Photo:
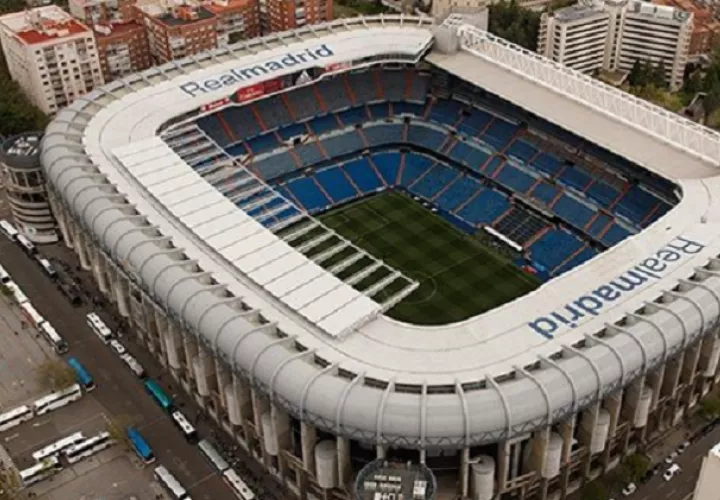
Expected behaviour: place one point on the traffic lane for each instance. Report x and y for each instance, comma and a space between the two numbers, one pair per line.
118, 389
265, 485
683, 484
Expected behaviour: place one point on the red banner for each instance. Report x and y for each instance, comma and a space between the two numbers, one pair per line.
215, 104
273, 86
250, 93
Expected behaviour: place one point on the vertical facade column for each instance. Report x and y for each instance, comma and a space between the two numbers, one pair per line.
344, 464
283, 436
158, 337
613, 404
61, 217
567, 431
81, 247
191, 352
260, 407
121, 294
173, 348
465, 472
99, 273
308, 440
588, 421
538, 457
503, 465
689, 371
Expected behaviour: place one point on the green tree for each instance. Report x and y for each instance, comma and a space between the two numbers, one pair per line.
10, 484
7, 6
6, 292
594, 490
709, 408
514, 23
55, 376
711, 101
657, 75
635, 467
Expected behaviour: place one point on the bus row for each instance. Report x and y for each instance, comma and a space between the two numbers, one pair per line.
44, 405
32, 316
27, 246
71, 449
107, 336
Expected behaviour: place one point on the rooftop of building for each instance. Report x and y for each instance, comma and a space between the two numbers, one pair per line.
404, 480
176, 13
220, 6
42, 24
21, 151
659, 12
577, 12
111, 30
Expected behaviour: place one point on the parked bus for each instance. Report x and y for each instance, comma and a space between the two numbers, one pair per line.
159, 394
88, 447
57, 400
4, 276
31, 314
134, 365
82, 375
235, 482
141, 447
8, 229
15, 417
26, 244
213, 456
17, 293
99, 327
54, 338
54, 449
170, 483
185, 427
38, 472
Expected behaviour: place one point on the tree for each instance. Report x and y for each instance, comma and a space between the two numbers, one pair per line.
594, 490
711, 101
8, 6
6, 292
709, 408
117, 428
657, 75
55, 376
514, 23
636, 466
10, 484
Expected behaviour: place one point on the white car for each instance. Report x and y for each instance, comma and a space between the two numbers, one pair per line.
671, 457
672, 471
629, 490
116, 346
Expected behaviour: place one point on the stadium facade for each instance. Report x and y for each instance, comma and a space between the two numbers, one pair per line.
310, 373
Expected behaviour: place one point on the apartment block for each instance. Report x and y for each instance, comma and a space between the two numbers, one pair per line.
706, 28
708, 484
613, 35
123, 48
236, 19
51, 55
177, 30
282, 15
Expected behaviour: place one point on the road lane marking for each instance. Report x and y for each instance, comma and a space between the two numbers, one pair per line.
10, 438
671, 494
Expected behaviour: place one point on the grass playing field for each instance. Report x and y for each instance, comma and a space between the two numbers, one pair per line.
458, 277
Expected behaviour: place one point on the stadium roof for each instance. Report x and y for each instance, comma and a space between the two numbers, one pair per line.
496, 375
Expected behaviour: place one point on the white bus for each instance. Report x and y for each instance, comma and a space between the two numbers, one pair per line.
185, 427
47, 267
54, 449
238, 486
170, 483
99, 327
31, 314
134, 365
4, 276
88, 447
38, 472
57, 400
17, 293
213, 456
54, 338
15, 417
26, 244
8, 229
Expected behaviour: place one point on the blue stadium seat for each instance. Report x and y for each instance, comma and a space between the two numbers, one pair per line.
243, 121
273, 112
303, 102
615, 235
308, 194
309, 154
475, 123
407, 108
265, 207
283, 215
364, 87
500, 133
636, 204
415, 166
393, 82
573, 211
347, 142
554, 247
485, 208
335, 183
516, 179
389, 165
294, 130
492, 166
353, 116
379, 111
324, 124
264, 143
333, 94
544, 193
446, 112
275, 165
237, 149
602, 193
211, 125
580, 258
575, 177
548, 163
468, 154
363, 175
419, 88
424, 136
434, 181
384, 133
522, 150
458, 193
598, 225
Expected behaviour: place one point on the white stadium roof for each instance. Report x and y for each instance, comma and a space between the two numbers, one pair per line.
99, 139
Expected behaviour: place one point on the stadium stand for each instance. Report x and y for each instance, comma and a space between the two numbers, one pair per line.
473, 176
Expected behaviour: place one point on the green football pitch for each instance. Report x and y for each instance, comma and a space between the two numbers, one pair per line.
458, 276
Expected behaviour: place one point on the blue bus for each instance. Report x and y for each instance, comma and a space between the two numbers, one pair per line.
82, 375
141, 447
159, 394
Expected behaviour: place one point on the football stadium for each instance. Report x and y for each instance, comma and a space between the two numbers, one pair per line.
382, 238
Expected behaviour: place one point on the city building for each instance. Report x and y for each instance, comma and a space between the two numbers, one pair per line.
122, 42
708, 483
283, 15
287, 333
177, 29
236, 19
24, 183
51, 55
613, 35
706, 28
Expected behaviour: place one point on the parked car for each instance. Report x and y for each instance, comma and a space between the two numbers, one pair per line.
683, 446
671, 457
629, 489
116, 346
672, 471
